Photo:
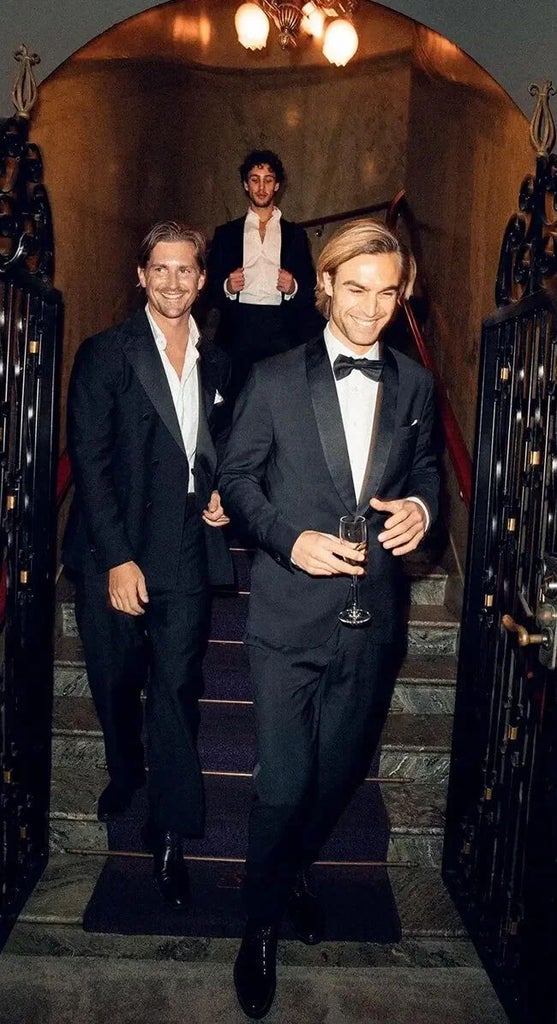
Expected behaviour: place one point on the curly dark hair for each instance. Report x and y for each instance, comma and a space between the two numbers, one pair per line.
262, 156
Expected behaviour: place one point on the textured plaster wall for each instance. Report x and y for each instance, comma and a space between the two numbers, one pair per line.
126, 143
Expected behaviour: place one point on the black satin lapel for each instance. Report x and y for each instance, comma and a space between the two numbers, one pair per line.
208, 375
383, 432
141, 351
329, 421
205, 448
285, 240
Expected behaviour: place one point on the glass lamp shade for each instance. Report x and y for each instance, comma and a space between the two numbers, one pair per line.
340, 42
313, 21
252, 26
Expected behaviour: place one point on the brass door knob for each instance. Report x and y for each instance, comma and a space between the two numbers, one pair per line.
524, 637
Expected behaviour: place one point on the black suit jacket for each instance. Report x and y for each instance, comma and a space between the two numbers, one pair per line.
286, 469
226, 254
128, 459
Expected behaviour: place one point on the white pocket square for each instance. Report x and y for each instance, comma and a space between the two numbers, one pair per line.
218, 398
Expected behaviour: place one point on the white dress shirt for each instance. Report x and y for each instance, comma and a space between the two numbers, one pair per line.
261, 263
357, 396
184, 389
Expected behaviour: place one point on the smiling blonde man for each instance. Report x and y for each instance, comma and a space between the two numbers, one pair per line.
342, 425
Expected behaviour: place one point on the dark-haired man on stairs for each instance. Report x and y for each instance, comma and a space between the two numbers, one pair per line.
261, 275
321, 432
141, 539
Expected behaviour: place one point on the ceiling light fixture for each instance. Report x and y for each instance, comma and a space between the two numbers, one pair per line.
326, 19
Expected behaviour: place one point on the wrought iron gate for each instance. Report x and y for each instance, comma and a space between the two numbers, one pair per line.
30, 335
500, 848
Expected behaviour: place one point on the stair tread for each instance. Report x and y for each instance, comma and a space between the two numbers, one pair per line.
414, 807
438, 669
404, 731
62, 894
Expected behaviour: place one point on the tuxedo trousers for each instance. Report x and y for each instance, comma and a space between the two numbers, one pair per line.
319, 714
256, 332
161, 651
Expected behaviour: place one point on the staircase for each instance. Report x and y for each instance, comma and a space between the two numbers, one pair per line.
427, 972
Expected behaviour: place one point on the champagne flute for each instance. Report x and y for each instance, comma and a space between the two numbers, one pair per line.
353, 528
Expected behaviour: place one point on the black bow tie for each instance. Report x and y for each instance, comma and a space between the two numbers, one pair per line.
343, 365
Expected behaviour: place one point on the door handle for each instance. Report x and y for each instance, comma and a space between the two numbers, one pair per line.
524, 637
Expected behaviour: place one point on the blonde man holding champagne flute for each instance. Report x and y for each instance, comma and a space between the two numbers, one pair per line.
341, 426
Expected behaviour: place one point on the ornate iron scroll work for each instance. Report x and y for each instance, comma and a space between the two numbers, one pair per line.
30, 341
26, 236
499, 858
528, 256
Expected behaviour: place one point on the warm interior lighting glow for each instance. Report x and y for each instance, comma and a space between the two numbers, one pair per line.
313, 21
187, 29
340, 42
252, 26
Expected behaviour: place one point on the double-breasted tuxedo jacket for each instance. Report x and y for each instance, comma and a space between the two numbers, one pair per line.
287, 470
299, 316
131, 504
128, 459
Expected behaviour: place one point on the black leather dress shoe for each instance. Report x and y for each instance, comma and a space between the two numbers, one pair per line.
305, 911
255, 970
170, 870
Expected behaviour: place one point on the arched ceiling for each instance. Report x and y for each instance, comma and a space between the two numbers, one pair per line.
516, 42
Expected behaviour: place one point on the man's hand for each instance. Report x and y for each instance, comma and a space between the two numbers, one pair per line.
235, 281
285, 282
405, 527
322, 554
214, 514
126, 588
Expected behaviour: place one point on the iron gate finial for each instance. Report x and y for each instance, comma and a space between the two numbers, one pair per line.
542, 125
24, 92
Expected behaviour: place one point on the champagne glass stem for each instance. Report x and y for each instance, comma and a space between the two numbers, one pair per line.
355, 591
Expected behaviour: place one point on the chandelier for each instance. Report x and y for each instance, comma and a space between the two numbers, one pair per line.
329, 20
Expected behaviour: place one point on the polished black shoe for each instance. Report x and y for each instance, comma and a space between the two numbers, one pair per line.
170, 871
305, 911
255, 975
113, 802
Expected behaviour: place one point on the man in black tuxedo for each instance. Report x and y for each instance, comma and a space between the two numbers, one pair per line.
261, 274
320, 432
143, 539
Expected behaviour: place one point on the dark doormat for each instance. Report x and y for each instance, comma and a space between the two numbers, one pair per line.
358, 901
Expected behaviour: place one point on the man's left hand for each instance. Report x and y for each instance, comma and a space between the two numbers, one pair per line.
214, 514
405, 526
285, 282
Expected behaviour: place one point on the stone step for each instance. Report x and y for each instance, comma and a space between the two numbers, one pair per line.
391, 822
50, 921
426, 683
432, 629
414, 747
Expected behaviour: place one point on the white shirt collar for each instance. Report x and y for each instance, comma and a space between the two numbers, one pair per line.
159, 336
252, 217
337, 348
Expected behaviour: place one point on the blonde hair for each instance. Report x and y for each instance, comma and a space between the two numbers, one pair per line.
357, 238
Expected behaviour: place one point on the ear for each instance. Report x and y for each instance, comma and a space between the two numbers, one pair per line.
141, 276
245, 184
202, 279
327, 283
277, 186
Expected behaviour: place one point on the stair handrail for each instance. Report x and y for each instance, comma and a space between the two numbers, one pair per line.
456, 445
